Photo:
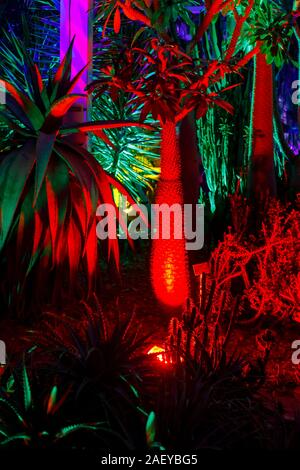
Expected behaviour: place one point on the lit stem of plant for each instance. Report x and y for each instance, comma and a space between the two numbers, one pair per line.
263, 182
169, 263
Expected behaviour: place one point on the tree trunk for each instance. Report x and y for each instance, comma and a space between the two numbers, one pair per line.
262, 171
193, 175
191, 162
169, 261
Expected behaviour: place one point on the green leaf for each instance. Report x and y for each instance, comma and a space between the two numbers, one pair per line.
27, 106
26, 389
14, 172
44, 148
52, 400
151, 429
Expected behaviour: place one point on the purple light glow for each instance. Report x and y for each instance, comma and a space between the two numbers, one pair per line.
75, 20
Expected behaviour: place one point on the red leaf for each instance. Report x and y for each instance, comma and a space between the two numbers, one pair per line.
79, 206
61, 106
20, 234
225, 105
74, 249
91, 255
103, 136
53, 215
117, 21
38, 229
39, 78
61, 251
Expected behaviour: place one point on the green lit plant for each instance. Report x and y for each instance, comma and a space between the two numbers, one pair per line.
270, 26
101, 356
132, 159
50, 185
32, 417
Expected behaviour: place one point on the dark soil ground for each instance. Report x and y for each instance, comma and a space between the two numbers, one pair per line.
132, 292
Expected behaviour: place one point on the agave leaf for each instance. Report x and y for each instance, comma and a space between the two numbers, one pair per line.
12, 408
61, 106
25, 219
17, 437
76, 163
62, 76
27, 106
15, 169
91, 248
77, 427
151, 429
81, 207
53, 212
58, 175
44, 149
34, 80
74, 248
75, 80
26, 389
18, 112
96, 126
52, 400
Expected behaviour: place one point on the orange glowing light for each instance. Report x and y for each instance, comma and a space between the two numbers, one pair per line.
156, 350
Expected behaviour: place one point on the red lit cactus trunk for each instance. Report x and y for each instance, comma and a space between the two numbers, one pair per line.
169, 263
263, 183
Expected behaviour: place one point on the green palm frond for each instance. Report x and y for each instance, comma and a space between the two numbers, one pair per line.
133, 158
45, 33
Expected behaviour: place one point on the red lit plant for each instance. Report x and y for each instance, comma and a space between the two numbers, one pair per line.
50, 188
265, 268
169, 87
269, 28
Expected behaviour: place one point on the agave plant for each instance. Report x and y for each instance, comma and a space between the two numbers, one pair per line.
100, 355
50, 184
31, 417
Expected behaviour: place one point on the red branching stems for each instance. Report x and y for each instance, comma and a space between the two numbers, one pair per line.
244, 61
134, 13
214, 9
131, 10
240, 20
267, 265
